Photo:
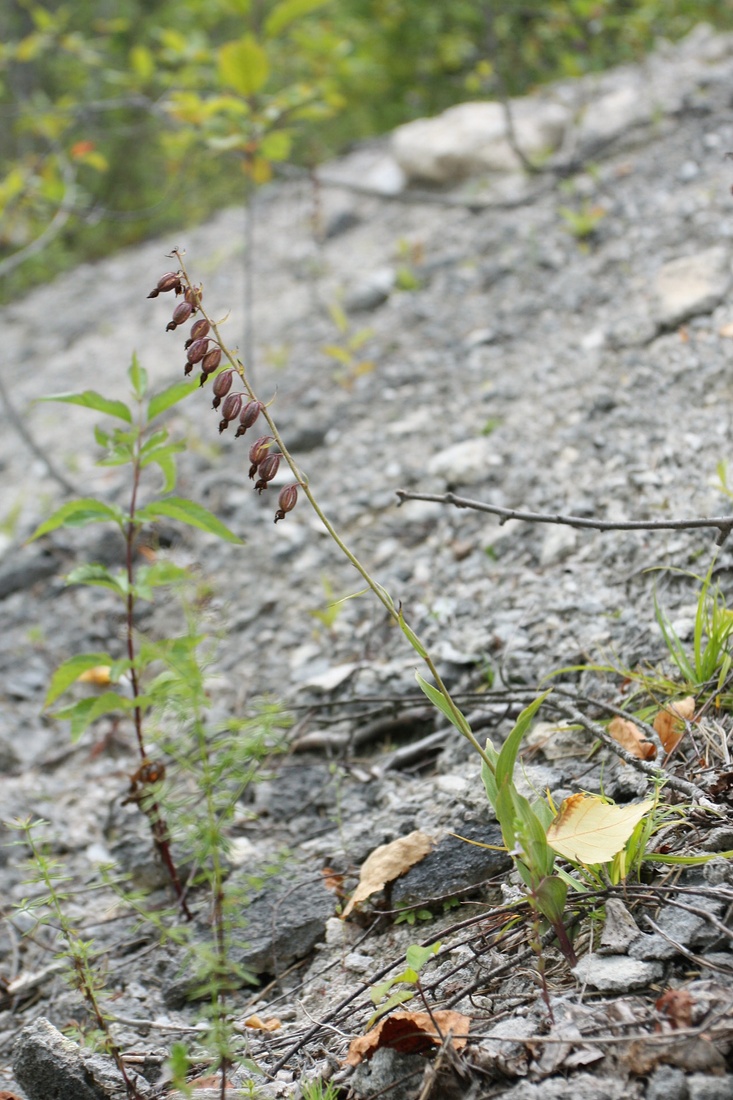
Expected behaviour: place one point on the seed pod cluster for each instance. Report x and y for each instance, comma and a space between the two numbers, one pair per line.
203, 349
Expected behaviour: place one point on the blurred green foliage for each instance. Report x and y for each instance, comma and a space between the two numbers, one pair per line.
135, 117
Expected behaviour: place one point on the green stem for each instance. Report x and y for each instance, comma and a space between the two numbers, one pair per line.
381, 593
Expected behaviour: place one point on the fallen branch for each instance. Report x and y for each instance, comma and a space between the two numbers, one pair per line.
723, 524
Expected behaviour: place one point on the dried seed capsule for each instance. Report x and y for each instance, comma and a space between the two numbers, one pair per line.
211, 360
222, 386
193, 295
170, 281
259, 450
230, 409
286, 501
267, 469
199, 329
197, 351
180, 315
248, 415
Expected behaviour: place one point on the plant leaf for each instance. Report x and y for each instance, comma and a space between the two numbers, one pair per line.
439, 700
286, 12
82, 714
187, 511
670, 722
70, 671
138, 377
243, 65
169, 397
90, 399
99, 576
78, 513
589, 830
417, 956
507, 758
412, 637
631, 738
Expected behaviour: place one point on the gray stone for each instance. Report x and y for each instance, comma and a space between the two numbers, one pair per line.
619, 929
613, 114
581, 1086
50, 1067
371, 292
389, 1073
702, 1086
284, 923
616, 973
689, 930
691, 285
557, 543
472, 138
453, 866
465, 463
667, 1083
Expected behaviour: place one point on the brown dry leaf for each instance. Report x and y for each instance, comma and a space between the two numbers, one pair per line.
210, 1081
257, 1024
676, 1006
388, 862
333, 881
410, 1033
98, 675
670, 722
631, 738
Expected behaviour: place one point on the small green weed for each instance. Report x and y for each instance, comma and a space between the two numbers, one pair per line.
386, 997
583, 223
345, 351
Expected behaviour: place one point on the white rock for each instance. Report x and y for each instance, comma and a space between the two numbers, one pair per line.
691, 285
451, 784
616, 973
472, 138
465, 463
614, 113
359, 964
557, 543
331, 678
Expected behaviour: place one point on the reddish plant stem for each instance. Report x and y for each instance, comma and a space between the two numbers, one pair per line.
158, 827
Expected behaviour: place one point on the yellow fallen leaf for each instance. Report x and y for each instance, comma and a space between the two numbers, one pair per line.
588, 830
98, 675
670, 722
631, 738
258, 1024
410, 1033
388, 862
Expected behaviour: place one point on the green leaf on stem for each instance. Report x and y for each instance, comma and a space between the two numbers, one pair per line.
82, 714
438, 699
70, 671
79, 513
507, 758
98, 576
90, 399
157, 575
412, 637
417, 956
163, 457
187, 511
550, 894
243, 65
138, 377
169, 397
286, 12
